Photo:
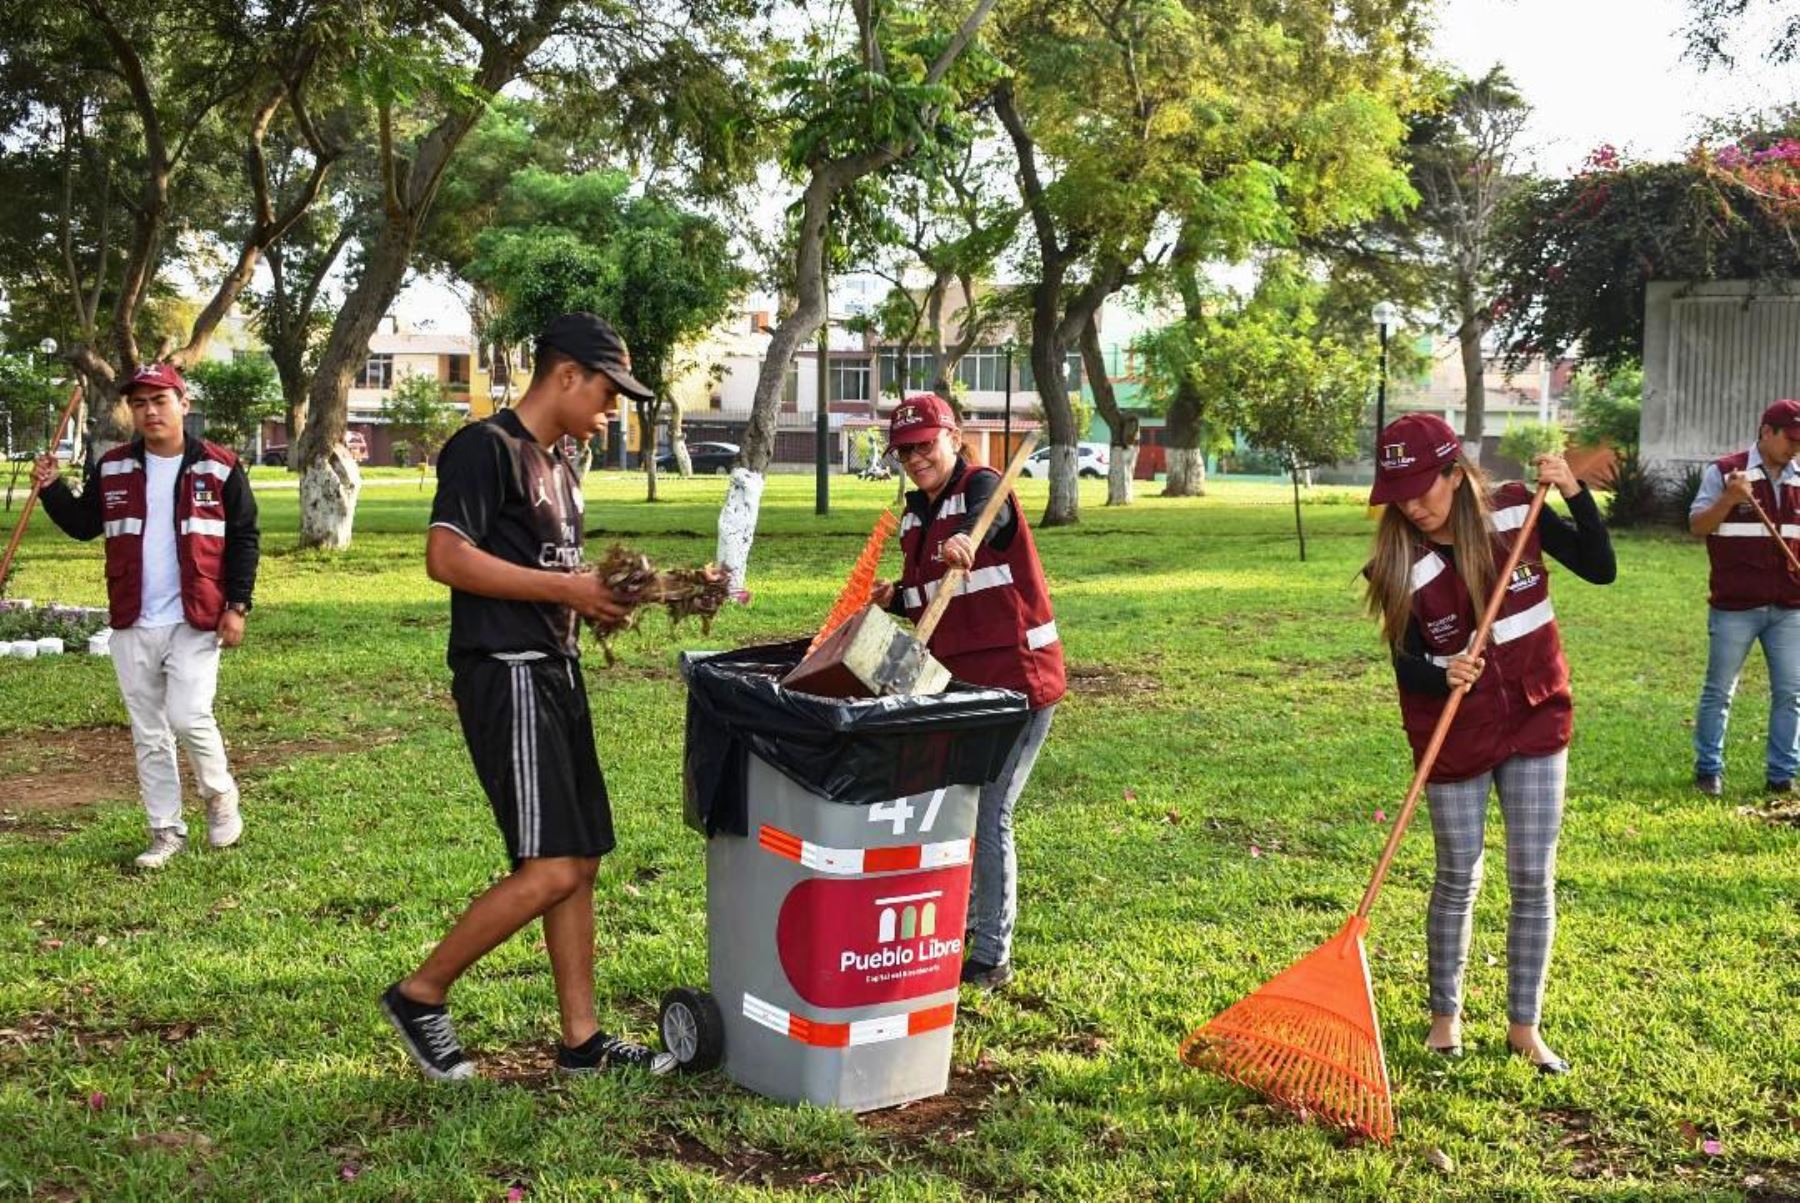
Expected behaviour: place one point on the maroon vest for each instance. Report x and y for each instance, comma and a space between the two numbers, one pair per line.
999, 629
1748, 569
199, 532
1521, 704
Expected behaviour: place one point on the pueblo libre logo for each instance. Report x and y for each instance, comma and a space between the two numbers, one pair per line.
858, 942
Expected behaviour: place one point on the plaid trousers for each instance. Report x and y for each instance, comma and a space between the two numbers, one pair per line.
1531, 803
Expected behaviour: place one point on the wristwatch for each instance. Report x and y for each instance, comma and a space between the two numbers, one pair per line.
239, 607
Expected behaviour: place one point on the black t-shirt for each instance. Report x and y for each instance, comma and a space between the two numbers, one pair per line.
508, 496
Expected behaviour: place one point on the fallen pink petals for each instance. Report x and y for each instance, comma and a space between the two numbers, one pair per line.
1255, 851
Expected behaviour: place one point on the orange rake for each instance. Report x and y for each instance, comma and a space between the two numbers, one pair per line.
855, 593
1309, 1038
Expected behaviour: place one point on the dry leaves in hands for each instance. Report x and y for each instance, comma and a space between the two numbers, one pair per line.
636, 582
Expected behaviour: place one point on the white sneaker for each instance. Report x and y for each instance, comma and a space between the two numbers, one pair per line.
165, 842
223, 823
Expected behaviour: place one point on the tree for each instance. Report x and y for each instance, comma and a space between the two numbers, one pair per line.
129, 125
420, 417
854, 112
1581, 251
431, 72
660, 272
1463, 167
1227, 124
235, 395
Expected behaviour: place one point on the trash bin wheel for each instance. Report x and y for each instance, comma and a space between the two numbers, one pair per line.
692, 1029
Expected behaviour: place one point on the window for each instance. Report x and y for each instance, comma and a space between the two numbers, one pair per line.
790, 389
456, 370
921, 367
983, 370
849, 381
376, 372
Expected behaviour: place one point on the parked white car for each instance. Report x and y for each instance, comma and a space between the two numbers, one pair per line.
1090, 460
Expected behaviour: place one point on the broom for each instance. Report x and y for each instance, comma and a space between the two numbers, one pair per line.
12, 545
1775, 532
861, 583
1309, 1038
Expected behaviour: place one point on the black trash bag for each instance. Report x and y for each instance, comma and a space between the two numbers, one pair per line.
855, 751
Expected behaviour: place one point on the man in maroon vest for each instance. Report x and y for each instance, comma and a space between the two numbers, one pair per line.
181, 553
1753, 595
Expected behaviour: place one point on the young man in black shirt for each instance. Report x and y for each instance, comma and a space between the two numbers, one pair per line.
506, 537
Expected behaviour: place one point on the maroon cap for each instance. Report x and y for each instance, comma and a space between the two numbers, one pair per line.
1409, 455
156, 375
918, 419
1784, 416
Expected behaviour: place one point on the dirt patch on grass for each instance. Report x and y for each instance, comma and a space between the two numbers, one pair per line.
529, 1065
1593, 1156
1108, 681
43, 1026
908, 1133
53, 773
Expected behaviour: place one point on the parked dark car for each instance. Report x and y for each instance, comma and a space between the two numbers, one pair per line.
274, 457
709, 459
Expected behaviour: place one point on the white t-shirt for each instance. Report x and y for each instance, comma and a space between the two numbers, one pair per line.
161, 599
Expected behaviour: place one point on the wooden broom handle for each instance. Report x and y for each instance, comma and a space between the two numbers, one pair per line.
947, 586
12, 545
1429, 760
1769, 525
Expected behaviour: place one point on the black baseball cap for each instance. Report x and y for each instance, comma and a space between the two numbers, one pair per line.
591, 341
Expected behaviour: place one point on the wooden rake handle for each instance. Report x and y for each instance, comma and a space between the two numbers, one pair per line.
1428, 761
12, 544
947, 586
1775, 531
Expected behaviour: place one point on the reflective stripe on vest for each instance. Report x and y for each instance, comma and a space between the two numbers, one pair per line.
991, 577
844, 1035
203, 526
1755, 530
1510, 518
1042, 636
910, 522
119, 467
207, 467
1517, 626
124, 526
1425, 569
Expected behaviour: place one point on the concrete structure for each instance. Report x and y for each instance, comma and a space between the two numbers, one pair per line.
1715, 355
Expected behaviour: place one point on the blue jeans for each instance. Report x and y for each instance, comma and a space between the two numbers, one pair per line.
994, 894
1730, 634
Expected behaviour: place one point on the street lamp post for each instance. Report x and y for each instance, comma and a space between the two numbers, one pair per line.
1006, 435
1386, 315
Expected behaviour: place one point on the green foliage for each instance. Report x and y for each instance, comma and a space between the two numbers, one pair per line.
1523, 442
235, 395
71, 624
1608, 406
419, 416
1580, 251
30, 398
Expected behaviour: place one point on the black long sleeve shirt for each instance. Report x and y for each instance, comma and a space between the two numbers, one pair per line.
1582, 546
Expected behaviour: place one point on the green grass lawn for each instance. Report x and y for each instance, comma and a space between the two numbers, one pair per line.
212, 1030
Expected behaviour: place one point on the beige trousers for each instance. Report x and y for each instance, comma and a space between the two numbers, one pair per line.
168, 676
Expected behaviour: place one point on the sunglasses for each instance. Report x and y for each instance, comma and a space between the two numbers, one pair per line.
906, 451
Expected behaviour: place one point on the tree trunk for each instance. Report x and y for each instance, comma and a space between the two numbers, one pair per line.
646, 411
684, 465
1474, 382
1299, 526
328, 472
1064, 507
743, 496
1187, 462
1122, 458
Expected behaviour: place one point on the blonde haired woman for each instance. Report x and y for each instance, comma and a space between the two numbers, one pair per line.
1441, 539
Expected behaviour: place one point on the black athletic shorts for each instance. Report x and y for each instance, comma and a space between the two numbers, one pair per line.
526, 722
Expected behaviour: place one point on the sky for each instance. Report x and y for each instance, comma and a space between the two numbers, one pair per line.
1594, 71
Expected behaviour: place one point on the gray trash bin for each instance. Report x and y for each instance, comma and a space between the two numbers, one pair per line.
839, 843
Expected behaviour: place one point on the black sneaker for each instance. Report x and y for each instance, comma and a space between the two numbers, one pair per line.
601, 1051
1710, 784
984, 976
1784, 786
428, 1036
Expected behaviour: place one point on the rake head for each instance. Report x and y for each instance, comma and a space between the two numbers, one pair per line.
861, 583
1308, 1039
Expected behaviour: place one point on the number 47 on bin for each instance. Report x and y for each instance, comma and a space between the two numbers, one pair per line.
900, 811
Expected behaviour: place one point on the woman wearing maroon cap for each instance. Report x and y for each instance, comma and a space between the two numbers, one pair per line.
1441, 539
999, 630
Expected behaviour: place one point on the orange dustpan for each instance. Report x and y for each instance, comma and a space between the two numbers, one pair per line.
1309, 1038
